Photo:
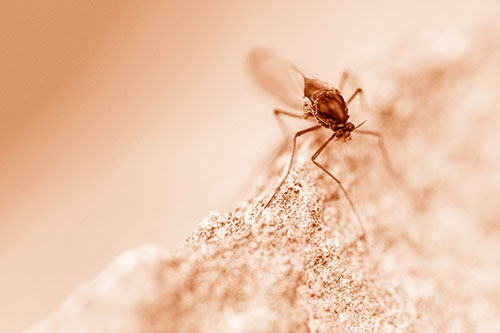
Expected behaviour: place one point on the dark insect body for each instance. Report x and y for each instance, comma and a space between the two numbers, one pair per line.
320, 103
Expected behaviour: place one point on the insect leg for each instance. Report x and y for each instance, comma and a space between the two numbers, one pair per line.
387, 161
358, 91
307, 130
278, 113
343, 79
313, 158
383, 149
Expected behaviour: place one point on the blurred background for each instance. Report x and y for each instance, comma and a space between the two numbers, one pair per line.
123, 123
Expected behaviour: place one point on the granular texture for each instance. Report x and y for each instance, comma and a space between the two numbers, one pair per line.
429, 263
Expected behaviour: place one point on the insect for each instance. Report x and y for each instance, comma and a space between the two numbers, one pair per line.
318, 102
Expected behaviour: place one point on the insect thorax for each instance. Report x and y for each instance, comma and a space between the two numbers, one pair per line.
328, 107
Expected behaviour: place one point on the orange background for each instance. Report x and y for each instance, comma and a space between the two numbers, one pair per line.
127, 122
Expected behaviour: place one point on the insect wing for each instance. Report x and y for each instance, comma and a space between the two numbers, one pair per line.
278, 77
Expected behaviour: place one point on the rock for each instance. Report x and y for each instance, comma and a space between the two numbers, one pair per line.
427, 264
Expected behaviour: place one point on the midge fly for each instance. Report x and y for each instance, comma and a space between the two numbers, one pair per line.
318, 102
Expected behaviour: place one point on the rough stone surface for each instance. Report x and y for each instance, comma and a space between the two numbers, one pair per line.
430, 261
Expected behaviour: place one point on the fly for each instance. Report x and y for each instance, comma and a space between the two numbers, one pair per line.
317, 101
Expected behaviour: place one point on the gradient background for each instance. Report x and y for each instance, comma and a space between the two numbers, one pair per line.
125, 122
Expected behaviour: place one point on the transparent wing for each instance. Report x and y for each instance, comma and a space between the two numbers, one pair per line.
278, 77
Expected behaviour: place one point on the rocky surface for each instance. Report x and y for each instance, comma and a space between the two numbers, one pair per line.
429, 263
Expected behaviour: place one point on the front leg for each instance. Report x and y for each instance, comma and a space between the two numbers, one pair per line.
300, 133
313, 159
